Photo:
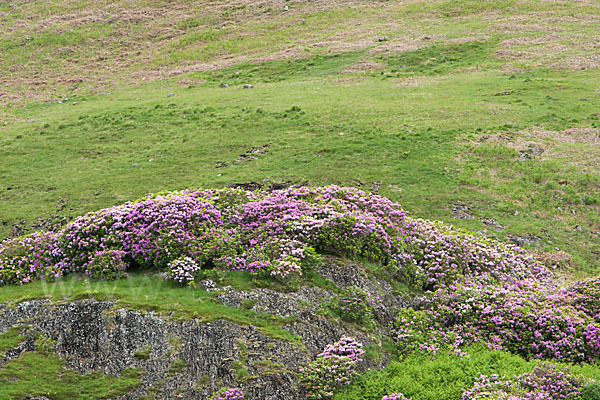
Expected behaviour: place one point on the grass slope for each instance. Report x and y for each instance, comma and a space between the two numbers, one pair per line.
446, 376
38, 374
439, 101
435, 104
150, 293
446, 140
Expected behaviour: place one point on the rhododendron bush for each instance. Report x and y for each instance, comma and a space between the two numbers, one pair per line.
34, 256
530, 318
475, 289
271, 233
547, 381
334, 368
395, 396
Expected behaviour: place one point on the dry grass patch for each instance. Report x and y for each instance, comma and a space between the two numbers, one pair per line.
571, 135
403, 44
363, 66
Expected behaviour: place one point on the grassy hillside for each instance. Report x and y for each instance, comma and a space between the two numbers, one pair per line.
485, 111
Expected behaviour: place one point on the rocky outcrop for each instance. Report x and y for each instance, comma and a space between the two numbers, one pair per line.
191, 359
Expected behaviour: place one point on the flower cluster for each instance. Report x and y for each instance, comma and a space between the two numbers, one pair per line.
334, 368
228, 394
523, 317
183, 270
437, 255
546, 382
277, 257
358, 305
395, 396
31, 257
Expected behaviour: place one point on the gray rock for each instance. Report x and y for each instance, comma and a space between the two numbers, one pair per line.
492, 223
461, 211
223, 86
92, 335
531, 150
171, 95
523, 240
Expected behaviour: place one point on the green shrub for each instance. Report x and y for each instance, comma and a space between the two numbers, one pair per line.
107, 265
358, 306
591, 391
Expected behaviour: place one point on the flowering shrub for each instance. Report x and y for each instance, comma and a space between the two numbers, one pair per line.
107, 265
357, 305
552, 381
95, 231
478, 289
30, 257
494, 388
334, 368
228, 394
545, 382
279, 234
160, 229
183, 270
278, 257
395, 396
437, 255
523, 317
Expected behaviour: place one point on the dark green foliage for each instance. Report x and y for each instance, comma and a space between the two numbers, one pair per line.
358, 306
591, 391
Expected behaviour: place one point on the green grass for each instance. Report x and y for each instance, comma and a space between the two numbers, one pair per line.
431, 145
34, 374
443, 377
10, 339
150, 293
439, 59
282, 70
436, 114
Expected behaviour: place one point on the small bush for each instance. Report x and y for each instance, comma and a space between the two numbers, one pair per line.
359, 306
183, 270
395, 396
334, 368
547, 381
107, 265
